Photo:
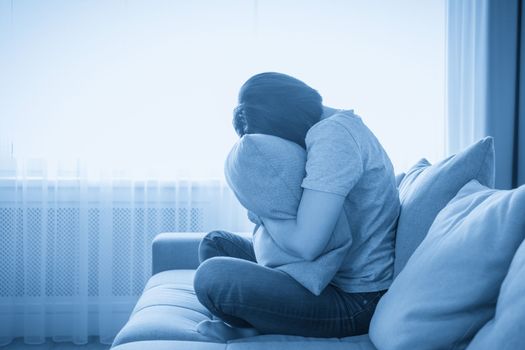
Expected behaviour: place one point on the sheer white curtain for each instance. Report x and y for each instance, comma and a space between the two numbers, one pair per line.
467, 74
75, 253
143, 92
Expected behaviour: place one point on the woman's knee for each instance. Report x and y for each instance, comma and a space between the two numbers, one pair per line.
223, 243
219, 280
204, 280
209, 246
217, 287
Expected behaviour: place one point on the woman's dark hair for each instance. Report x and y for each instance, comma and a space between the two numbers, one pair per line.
277, 104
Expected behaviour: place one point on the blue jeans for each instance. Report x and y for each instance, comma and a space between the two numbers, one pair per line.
236, 289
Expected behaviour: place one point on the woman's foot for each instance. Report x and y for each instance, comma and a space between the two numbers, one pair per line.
221, 331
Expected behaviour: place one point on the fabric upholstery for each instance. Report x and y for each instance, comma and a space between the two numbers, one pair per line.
170, 345
167, 314
426, 189
399, 178
176, 250
265, 342
506, 330
276, 342
448, 289
167, 310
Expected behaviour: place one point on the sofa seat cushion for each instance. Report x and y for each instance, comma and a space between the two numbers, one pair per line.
167, 314
167, 310
264, 342
169, 345
277, 341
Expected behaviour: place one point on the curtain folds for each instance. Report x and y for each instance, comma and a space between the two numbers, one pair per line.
75, 253
486, 81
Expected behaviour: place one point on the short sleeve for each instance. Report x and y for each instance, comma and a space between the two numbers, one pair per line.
334, 162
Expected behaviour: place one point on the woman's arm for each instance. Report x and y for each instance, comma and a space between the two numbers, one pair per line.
334, 165
308, 234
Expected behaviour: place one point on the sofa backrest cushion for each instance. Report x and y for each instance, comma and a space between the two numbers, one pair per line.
449, 287
426, 189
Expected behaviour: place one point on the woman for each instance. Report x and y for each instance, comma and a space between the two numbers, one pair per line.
347, 171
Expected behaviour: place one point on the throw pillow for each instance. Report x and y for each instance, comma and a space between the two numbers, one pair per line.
449, 287
399, 178
426, 189
265, 172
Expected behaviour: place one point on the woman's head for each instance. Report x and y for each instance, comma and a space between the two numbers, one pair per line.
277, 104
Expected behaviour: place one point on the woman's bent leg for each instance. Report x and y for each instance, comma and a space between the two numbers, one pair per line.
243, 293
223, 243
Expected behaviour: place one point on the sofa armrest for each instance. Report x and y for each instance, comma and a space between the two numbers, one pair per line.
178, 250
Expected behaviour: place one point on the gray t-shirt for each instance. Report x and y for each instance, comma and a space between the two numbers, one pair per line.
344, 157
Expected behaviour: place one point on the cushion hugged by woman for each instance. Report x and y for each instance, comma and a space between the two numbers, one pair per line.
265, 173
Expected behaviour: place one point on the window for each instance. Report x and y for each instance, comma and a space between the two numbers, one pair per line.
149, 86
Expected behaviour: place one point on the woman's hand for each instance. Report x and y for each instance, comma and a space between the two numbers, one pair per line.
307, 235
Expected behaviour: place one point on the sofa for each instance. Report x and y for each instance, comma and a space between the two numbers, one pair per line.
167, 313
459, 264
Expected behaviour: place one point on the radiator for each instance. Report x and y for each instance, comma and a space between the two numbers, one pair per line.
69, 243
